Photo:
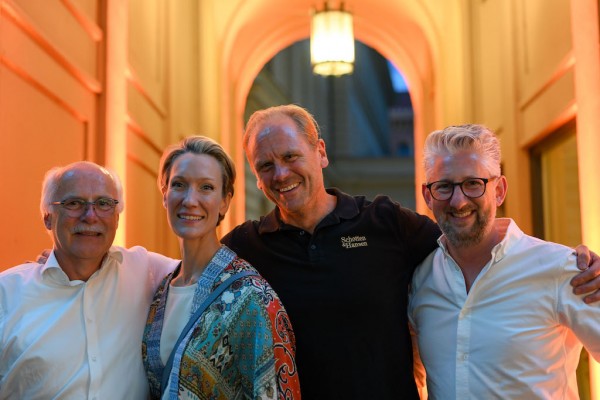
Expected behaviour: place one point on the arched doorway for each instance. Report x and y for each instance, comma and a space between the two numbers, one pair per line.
365, 118
406, 34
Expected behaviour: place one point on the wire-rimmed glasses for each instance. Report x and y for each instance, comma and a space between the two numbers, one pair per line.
75, 207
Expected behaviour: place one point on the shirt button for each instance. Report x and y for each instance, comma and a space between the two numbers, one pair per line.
465, 357
312, 246
301, 233
94, 358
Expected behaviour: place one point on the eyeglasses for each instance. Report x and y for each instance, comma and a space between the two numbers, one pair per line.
471, 188
104, 206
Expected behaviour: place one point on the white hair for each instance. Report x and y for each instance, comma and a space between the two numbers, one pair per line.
54, 176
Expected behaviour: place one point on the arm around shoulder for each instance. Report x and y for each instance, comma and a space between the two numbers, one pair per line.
587, 281
158, 265
583, 319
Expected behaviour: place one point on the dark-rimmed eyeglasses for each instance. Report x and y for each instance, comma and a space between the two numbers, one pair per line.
103, 206
471, 188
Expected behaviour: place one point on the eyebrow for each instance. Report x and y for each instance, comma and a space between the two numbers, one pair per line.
260, 163
85, 198
206, 178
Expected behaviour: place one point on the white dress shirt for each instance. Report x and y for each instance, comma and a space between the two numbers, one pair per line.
517, 334
73, 339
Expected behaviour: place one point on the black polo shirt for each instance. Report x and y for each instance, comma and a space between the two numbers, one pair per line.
345, 288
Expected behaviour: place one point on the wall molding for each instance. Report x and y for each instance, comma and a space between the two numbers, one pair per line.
88, 25
563, 67
136, 83
137, 130
13, 12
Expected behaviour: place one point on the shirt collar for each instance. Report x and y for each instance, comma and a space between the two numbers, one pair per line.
52, 270
346, 208
509, 232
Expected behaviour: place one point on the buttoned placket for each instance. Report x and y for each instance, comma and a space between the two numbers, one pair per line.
91, 332
463, 328
309, 240
313, 249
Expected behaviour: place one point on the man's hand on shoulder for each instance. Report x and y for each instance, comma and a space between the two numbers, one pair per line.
43, 256
587, 281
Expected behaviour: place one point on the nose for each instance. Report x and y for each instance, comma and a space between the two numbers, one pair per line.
89, 213
458, 198
189, 198
281, 172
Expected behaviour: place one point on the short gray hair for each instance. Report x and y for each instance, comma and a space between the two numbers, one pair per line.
456, 138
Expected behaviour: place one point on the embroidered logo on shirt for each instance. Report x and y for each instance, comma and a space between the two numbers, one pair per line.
349, 242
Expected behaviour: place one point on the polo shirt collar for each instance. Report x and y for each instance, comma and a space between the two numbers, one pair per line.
346, 208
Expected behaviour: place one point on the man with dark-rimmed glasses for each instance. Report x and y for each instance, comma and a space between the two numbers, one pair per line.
71, 328
492, 310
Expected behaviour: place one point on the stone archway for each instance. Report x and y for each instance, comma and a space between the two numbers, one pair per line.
403, 32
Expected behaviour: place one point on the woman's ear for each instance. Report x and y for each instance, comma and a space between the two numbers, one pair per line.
164, 197
225, 202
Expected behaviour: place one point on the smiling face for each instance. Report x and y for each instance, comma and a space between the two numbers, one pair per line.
288, 168
194, 196
85, 238
465, 221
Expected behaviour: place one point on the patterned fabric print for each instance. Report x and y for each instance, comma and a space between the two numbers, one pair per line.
285, 350
242, 346
223, 356
151, 339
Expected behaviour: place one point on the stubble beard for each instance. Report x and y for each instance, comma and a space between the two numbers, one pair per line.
465, 238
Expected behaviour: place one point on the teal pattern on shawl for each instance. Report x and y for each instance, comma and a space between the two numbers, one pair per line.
241, 347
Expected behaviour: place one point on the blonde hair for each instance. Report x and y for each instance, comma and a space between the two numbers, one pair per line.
305, 122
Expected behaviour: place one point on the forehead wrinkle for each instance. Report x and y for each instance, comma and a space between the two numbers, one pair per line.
68, 184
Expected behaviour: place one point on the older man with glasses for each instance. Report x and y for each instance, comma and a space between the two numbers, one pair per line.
71, 328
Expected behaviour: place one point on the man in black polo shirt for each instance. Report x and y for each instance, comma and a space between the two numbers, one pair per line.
340, 264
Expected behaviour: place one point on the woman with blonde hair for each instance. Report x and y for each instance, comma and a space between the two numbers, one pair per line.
216, 329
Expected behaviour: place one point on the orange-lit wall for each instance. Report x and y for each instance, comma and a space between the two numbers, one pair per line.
586, 49
50, 84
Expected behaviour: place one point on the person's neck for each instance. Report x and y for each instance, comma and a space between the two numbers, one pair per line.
308, 220
195, 256
78, 269
473, 258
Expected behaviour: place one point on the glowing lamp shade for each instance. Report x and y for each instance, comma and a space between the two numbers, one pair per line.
332, 43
